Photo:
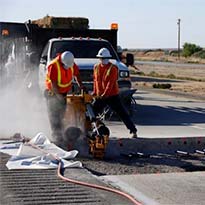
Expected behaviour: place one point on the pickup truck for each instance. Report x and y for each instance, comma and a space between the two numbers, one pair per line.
85, 51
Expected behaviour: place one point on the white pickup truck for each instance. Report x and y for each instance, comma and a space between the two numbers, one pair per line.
85, 51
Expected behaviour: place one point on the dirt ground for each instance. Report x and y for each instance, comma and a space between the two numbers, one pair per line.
186, 75
153, 164
187, 79
161, 55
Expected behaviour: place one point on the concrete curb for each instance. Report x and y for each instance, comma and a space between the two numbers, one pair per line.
155, 146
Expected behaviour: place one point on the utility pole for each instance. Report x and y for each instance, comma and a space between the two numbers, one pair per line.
178, 23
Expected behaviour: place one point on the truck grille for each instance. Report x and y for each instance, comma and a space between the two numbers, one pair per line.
86, 75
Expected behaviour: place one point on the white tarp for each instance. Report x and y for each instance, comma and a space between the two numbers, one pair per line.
25, 156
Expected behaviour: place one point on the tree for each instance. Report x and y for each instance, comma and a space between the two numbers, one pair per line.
189, 49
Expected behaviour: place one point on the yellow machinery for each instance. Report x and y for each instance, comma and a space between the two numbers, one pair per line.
95, 130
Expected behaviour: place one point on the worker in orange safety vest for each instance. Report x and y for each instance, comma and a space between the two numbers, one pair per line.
106, 91
58, 83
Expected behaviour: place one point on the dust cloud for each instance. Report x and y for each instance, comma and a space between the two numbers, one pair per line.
22, 112
22, 106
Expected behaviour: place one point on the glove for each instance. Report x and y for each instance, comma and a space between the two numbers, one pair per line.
98, 97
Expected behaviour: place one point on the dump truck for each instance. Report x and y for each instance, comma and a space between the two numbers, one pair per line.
33, 44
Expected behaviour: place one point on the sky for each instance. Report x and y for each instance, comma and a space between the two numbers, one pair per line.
142, 23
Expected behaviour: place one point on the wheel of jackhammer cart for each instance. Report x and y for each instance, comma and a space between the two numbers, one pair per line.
103, 130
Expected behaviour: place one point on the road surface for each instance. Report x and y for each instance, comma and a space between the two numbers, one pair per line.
160, 115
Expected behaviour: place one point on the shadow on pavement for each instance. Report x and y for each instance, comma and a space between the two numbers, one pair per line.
170, 115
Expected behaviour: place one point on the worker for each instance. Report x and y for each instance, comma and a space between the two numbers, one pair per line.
60, 74
106, 91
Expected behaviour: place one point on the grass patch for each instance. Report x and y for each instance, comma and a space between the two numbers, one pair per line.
171, 76
153, 74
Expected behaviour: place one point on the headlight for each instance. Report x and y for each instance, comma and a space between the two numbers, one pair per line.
124, 74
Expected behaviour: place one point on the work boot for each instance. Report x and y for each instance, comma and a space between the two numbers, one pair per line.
134, 134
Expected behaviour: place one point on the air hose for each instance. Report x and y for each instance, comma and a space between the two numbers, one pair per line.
60, 175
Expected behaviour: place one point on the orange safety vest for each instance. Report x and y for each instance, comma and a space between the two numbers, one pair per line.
63, 82
104, 80
107, 73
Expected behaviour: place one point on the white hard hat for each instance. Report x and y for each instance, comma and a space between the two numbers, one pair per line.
67, 59
103, 53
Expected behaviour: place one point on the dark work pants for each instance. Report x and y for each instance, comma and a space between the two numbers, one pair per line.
56, 110
114, 102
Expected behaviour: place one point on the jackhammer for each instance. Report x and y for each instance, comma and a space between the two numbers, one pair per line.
96, 132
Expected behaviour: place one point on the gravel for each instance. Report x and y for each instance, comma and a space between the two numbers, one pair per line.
145, 165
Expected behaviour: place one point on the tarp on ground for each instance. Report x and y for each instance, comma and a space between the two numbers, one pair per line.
38, 153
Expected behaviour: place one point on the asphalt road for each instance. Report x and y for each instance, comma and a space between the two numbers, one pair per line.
159, 115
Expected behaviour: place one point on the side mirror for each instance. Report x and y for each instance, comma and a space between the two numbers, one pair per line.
43, 60
129, 59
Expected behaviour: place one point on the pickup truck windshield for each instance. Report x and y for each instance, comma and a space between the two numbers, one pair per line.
81, 48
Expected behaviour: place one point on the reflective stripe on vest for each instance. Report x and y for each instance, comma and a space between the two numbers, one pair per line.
59, 76
97, 75
107, 73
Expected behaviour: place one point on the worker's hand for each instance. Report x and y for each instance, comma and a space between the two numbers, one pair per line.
98, 97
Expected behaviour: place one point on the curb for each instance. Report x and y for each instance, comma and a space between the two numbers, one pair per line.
155, 146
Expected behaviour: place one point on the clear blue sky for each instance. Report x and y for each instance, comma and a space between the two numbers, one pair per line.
142, 23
